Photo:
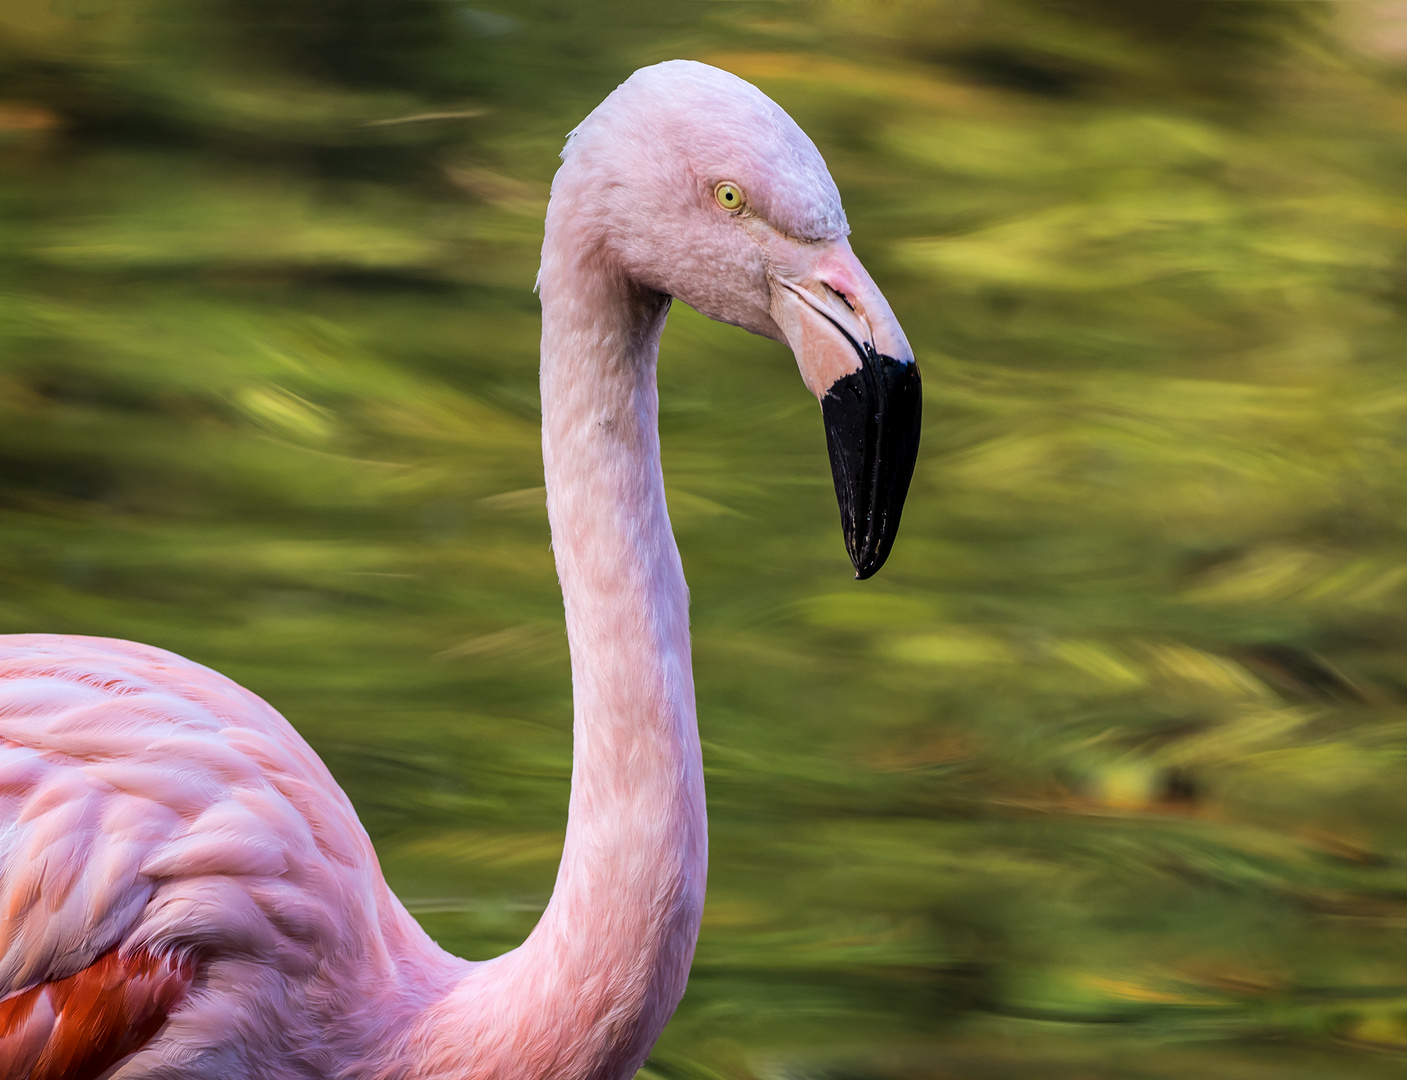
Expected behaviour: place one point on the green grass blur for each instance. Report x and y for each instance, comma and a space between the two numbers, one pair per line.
1102, 777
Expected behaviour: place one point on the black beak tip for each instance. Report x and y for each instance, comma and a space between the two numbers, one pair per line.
867, 563
872, 419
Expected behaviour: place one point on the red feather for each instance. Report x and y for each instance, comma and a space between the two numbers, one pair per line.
79, 1027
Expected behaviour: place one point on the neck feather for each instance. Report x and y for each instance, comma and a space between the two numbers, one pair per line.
585, 997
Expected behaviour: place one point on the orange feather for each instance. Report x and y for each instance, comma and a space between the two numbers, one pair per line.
79, 1027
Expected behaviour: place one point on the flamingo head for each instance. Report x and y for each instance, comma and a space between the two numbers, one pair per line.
691, 182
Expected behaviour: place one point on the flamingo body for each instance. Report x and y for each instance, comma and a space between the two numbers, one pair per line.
186, 894
162, 822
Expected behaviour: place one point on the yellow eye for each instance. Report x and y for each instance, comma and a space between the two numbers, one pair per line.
729, 196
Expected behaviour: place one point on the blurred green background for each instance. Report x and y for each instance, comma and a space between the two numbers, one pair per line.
1102, 777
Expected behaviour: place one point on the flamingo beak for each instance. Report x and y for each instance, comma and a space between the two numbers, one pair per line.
854, 357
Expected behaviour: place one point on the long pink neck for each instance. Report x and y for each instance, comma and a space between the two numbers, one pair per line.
585, 997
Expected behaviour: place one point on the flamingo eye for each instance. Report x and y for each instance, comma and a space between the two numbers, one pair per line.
729, 196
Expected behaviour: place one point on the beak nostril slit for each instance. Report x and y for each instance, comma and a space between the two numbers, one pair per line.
843, 298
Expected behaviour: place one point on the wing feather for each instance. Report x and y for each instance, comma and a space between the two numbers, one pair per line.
79, 1027
159, 824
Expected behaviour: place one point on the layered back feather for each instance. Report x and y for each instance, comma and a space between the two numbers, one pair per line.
155, 815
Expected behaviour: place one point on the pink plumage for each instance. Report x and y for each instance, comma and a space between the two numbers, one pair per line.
186, 894
155, 808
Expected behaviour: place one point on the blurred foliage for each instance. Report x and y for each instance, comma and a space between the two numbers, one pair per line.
1102, 777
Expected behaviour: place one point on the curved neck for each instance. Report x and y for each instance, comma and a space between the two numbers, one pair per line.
590, 990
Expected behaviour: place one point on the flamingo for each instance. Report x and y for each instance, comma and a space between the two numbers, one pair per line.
187, 894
